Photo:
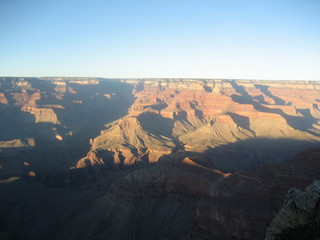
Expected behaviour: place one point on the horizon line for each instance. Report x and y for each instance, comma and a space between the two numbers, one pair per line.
142, 78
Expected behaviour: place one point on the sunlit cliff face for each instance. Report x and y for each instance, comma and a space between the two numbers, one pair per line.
200, 115
145, 120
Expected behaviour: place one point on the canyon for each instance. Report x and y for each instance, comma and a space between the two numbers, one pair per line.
94, 158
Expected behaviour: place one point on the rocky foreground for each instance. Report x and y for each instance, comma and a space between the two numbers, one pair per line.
299, 218
88, 158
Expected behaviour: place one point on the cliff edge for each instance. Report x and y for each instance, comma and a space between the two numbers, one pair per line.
299, 218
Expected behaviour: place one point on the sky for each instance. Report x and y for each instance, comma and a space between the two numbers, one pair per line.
233, 39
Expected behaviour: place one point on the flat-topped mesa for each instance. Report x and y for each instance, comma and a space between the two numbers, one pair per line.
59, 83
23, 84
42, 114
62, 86
86, 82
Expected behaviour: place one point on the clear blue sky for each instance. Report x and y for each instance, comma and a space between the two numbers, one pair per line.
270, 39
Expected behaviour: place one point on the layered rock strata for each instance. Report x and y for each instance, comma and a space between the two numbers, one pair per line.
200, 115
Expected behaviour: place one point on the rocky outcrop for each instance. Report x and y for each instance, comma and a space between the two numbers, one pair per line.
42, 114
128, 143
3, 99
18, 143
221, 130
24, 98
22, 83
61, 88
299, 218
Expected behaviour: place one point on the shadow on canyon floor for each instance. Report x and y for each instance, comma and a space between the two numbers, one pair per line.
86, 120
139, 209
245, 155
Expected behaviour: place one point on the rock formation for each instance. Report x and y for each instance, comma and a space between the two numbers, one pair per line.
3, 99
87, 158
17, 143
299, 218
200, 115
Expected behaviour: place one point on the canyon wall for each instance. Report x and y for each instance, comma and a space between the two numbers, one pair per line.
197, 116
91, 158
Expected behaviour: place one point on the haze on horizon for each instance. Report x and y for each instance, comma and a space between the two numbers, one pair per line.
167, 39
